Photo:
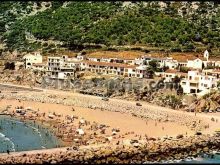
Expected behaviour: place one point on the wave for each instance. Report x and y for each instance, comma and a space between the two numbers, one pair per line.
2, 135
4, 138
34, 128
15, 121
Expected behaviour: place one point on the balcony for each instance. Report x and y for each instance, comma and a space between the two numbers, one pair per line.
194, 85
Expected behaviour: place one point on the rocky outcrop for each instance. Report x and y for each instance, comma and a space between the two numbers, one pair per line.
209, 102
148, 152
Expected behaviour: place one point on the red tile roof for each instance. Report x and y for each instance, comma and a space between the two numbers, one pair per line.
109, 64
174, 71
171, 71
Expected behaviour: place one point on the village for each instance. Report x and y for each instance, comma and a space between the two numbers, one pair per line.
197, 75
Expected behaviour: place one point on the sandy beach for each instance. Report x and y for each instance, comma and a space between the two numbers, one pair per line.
149, 124
126, 122
148, 120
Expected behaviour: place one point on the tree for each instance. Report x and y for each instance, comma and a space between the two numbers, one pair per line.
184, 69
153, 64
9, 65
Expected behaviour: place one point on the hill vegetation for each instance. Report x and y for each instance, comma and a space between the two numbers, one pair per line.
172, 26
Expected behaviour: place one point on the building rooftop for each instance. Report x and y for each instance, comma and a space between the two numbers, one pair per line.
109, 64
177, 72
39, 64
171, 71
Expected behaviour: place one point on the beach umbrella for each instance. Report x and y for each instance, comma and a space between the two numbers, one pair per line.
80, 131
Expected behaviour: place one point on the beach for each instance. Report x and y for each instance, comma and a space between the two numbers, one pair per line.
109, 123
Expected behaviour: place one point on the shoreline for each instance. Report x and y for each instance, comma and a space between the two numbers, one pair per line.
147, 152
83, 106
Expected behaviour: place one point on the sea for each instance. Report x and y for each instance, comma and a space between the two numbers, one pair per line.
24, 136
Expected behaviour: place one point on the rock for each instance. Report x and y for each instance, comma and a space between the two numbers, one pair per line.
136, 145
180, 136
198, 133
53, 162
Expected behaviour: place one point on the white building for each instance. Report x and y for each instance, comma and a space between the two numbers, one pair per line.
196, 63
170, 74
198, 83
114, 68
30, 59
53, 64
62, 67
39, 67
170, 63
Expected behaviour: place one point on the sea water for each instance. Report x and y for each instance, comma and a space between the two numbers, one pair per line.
200, 160
23, 136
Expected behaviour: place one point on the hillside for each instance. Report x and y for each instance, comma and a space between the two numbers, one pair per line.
170, 26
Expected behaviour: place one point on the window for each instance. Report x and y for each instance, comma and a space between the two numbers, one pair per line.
205, 85
190, 77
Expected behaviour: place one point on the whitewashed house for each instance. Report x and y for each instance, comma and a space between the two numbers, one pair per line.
196, 63
170, 63
198, 83
30, 59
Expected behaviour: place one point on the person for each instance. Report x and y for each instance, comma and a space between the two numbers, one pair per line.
8, 152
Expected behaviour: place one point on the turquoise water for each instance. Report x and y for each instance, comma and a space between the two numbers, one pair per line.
20, 136
206, 160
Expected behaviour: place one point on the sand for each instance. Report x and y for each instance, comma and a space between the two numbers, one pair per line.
126, 122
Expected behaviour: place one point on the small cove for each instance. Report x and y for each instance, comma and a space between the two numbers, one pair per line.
23, 136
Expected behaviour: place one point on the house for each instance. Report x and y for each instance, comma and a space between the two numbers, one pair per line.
182, 63
39, 67
114, 68
198, 83
30, 59
170, 74
62, 67
53, 64
170, 63
144, 60
196, 63
212, 72
114, 57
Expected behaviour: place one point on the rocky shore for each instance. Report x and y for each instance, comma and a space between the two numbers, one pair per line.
151, 151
